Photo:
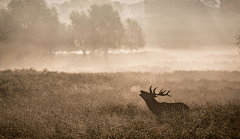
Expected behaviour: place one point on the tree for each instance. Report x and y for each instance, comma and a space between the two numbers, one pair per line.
7, 27
81, 29
4, 35
4, 40
237, 44
33, 25
108, 29
134, 38
7, 24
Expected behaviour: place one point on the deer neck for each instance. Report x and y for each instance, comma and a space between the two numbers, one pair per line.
151, 103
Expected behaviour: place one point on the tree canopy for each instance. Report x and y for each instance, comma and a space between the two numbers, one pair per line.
134, 38
81, 29
237, 37
102, 30
108, 27
32, 28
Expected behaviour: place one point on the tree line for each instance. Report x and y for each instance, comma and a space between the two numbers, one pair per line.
31, 27
102, 30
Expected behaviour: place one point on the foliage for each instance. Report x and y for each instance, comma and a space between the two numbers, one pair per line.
4, 35
82, 30
102, 30
47, 104
108, 27
34, 19
4, 40
33, 28
134, 38
30, 28
237, 44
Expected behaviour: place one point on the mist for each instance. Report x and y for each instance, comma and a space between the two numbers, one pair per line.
94, 36
119, 69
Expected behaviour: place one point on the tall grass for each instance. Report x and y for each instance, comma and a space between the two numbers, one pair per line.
44, 104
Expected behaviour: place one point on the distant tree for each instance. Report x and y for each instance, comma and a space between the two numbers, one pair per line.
33, 25
64, 38
32, 14
30, 28
237, 44
7, 22
82, 30
4, 35
7, 26
4, 39
134, 38
108, 28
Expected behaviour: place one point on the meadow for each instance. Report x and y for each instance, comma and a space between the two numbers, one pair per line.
48, 104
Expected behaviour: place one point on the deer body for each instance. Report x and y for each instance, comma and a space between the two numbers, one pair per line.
158, 108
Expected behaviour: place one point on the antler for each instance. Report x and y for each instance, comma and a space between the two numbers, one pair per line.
161, 92
152, 92
150, 89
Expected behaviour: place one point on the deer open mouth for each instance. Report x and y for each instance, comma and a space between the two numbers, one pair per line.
141, 93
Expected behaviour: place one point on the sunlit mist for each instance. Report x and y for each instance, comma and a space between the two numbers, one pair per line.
120, 35
96, 69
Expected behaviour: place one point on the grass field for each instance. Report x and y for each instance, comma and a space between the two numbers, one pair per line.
46, 104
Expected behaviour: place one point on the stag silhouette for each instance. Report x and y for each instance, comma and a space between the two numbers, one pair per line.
159, 108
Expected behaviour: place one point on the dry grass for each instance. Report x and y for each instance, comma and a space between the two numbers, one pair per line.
107, 105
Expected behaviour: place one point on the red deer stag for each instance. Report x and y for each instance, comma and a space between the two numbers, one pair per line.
158, 108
